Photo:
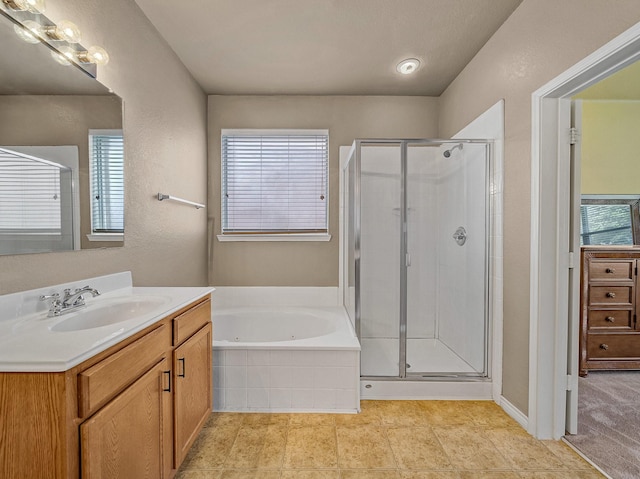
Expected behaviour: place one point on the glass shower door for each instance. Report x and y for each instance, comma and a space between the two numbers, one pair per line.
380, 237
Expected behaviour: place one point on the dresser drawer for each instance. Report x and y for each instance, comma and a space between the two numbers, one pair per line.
619, 295
109, 377
611, 270
613, 346
610, 319
191, 321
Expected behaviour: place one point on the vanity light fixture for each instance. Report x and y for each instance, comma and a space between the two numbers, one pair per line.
30, 31
408, 66
64, 55
94, 54
33, 6
65, 30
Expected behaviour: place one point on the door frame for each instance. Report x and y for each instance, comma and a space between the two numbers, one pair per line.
550, 238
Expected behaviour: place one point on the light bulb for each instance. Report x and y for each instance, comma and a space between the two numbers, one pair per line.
29, 31
408, 66
65, 30
95, 54
33, 6
64, 56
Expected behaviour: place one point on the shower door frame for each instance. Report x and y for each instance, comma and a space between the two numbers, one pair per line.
356, 156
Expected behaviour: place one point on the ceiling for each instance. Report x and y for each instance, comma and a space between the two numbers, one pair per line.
325, 47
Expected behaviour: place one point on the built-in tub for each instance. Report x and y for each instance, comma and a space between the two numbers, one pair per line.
285, 359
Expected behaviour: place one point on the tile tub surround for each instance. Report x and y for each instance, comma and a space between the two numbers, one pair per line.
286, 380
387, 440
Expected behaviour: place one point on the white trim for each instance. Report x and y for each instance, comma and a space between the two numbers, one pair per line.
275, 237
514, 412
581, 454
271, 131
106, 237
548, 351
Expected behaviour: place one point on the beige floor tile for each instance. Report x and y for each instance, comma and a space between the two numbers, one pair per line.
311, 447
367, 415
364, 447
522, 450
445, 413
265, 419
369, 474
312, 474
199, 474
469, 448
567, 456
560, 475
489, 414
417, 448
225, 419
312, 420
399, 413
211, 448
249, 474
258, 447
429, 475
489, 475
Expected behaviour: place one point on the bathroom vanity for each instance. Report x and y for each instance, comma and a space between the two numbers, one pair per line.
132, 409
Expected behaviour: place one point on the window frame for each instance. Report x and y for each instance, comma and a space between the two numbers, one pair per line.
633, 201
293, 235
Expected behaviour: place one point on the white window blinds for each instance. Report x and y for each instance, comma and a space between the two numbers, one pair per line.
29, 194
274, 181
106, 149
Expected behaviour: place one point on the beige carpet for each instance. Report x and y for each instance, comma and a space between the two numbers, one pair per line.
609, 422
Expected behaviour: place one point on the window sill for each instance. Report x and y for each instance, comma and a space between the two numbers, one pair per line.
106, 237
276, 237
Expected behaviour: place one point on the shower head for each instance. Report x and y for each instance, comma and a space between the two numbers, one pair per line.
447, 153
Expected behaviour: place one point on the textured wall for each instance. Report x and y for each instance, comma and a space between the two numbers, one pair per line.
165, 147
347, 118
610, 146
540, 40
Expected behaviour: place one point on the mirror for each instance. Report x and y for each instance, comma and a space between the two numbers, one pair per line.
61, 153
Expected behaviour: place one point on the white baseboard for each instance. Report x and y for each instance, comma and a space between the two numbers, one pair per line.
514, 412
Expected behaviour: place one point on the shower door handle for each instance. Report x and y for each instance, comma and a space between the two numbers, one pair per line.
407, 260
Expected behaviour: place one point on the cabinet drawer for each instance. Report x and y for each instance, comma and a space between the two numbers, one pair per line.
622, 295
110, 376
611, 270
611, 319
191, 321
613, 346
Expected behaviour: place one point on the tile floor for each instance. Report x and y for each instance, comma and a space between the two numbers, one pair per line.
388, 439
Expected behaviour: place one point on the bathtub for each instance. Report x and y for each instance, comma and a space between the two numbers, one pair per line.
285, 359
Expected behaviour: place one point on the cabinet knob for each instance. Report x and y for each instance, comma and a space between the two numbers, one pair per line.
604, 346
610, 270
611, 295
610, 319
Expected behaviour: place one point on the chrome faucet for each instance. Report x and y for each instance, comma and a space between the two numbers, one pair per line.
69, 302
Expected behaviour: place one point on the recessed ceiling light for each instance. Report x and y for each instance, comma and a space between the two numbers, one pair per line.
408, 66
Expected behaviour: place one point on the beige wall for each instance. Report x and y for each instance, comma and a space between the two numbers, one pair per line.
165, 148
610, 146
347, 118
540, 40
45, 120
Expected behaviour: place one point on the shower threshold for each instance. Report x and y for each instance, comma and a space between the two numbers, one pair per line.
431, 388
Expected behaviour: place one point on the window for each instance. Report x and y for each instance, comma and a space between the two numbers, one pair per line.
274, 182
609, 220
106, 152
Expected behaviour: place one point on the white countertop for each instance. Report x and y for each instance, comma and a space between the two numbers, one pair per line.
27, 343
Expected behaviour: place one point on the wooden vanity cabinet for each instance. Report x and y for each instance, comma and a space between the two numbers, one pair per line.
609, 303
120, 414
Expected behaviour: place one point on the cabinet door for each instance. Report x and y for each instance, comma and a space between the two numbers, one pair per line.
192, 394
126, 439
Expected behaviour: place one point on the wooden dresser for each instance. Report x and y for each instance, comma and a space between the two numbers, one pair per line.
609, 330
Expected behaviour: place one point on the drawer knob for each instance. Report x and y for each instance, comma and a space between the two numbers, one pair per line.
610, 270
610, 319
604, 346
611, 295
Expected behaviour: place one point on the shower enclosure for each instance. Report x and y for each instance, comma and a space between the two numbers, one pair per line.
416, 269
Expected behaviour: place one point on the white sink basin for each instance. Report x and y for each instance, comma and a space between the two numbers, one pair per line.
111, 312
